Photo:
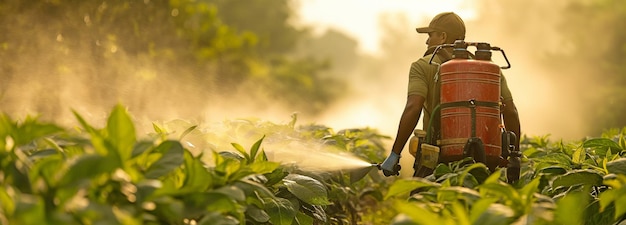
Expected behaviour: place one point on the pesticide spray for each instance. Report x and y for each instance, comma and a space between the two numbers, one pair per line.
281, 143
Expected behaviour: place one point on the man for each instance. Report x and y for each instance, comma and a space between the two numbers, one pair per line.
423, 89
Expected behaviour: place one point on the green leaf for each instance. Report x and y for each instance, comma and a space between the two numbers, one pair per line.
420, 215
47, 169
87, 167
577, 177
617, 166
495, 214
602, 145
257, 214
262, 167
280, 210
140, 148
303, 219
30, 209
442, 169
7, 201
172, 157
404, 186
570, 208
241, 150
233, 192
187, 131
476, 169
146, 188
501, 190
216, 201
215, 218
255, 149
306, 189
121, 132
251, 187
579, 155
454, 193
197, 177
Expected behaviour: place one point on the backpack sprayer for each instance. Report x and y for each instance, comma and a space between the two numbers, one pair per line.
470, 120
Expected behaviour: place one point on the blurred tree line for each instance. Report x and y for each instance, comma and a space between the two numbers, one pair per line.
582, 45
157, 54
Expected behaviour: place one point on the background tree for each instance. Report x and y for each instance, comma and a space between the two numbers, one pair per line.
160, 58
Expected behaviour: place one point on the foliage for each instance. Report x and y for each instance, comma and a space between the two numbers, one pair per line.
209, 48
109, 175
561, 183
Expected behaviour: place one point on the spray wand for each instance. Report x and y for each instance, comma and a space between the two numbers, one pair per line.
356, 175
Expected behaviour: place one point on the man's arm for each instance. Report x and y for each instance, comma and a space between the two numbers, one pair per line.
408, 121
511, 120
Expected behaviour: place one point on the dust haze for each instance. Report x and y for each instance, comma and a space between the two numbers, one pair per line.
550, 97
153, 91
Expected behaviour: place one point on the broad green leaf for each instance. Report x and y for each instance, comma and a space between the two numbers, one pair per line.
455, 193
141, 147
215, 218
169, 209
197, 177
306, 189
7, 200
87, 167
553, 159
31, 129
601, 145
263, 167
241, 150
280, 210
576, 177
216, 201
499, 190
255, 148
495, 214
552, 170
405, 186
442, 169
569, 208
494, 177
460, 213
187, 131
47, 169
145, 189
233, 192
476, 169
172, 157
275, 176
255, 192
420, 215
29, 209
121, 132
257, 214
617, 166
303, 219
579, 155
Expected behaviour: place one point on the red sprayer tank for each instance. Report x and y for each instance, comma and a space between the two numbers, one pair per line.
470, 106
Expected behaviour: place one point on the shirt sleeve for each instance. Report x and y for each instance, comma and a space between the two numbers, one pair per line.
417, 80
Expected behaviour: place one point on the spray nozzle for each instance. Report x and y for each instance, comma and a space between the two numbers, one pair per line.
395, 172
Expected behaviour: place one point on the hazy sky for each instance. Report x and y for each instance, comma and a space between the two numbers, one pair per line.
359, 18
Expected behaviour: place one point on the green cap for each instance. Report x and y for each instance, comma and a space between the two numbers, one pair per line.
448, 22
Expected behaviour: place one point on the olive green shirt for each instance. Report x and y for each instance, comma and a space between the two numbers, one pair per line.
424, 81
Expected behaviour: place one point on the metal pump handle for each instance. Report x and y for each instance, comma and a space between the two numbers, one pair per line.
461, 45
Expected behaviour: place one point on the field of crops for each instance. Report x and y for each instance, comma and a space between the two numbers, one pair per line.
184, 173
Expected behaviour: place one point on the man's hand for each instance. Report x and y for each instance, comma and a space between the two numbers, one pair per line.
390, 165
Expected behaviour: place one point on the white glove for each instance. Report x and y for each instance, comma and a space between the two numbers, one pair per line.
390, 165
